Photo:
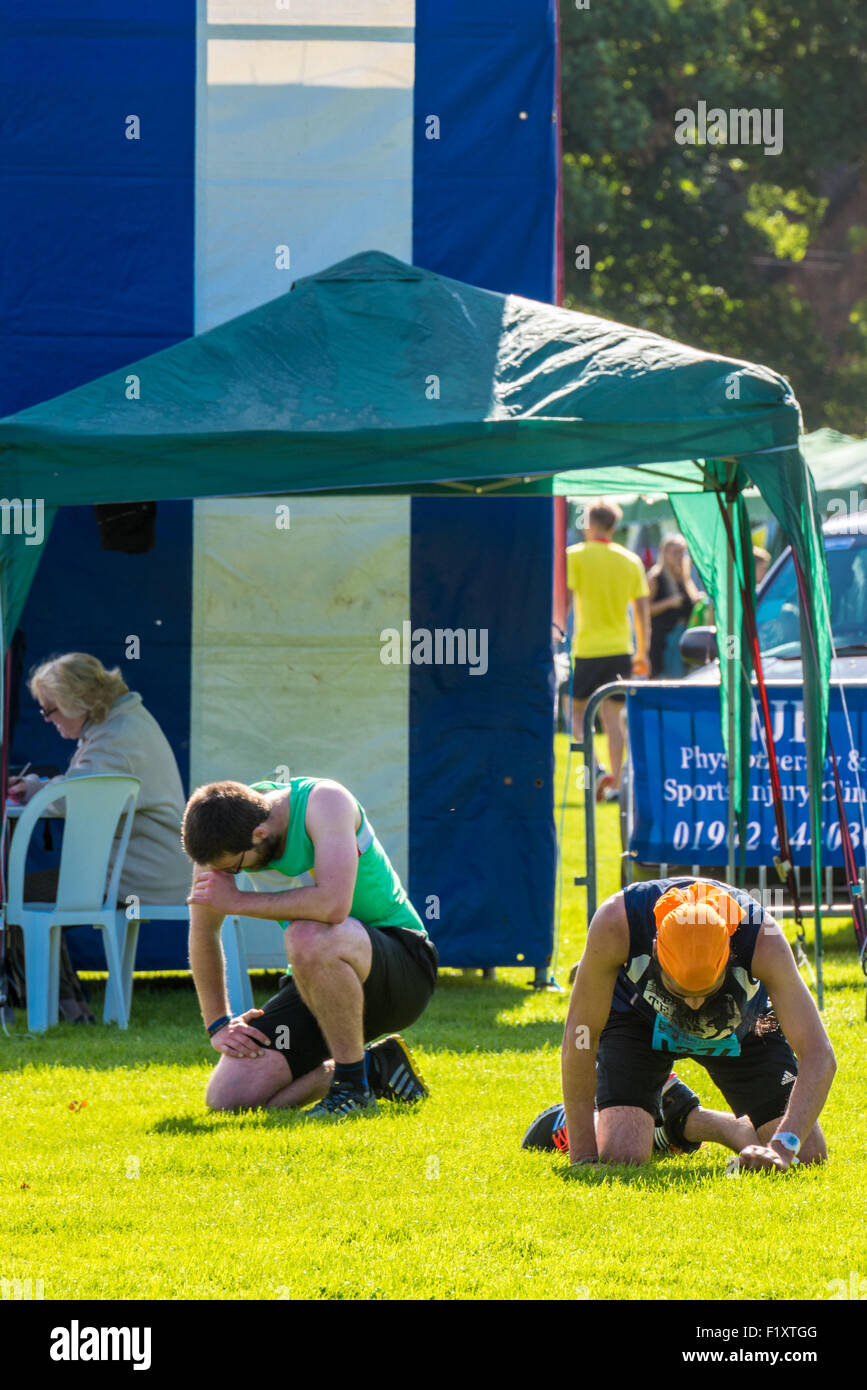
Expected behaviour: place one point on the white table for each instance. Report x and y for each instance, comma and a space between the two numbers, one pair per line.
14, 809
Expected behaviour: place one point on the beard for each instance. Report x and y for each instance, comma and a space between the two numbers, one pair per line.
716, 1013
266, 850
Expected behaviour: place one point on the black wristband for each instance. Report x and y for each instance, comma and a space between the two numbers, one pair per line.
217, 1024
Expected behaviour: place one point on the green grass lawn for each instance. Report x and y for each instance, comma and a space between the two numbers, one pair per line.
141, 1193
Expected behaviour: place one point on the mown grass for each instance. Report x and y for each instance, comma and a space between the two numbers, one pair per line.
141, 1193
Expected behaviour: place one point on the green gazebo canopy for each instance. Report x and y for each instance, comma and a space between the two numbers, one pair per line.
374, 374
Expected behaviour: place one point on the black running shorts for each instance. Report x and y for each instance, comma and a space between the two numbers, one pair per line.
630, 1072
396, 992
589, 672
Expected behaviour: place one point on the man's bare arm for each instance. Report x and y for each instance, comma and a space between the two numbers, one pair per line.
606, 950
330, 824
774, 965
240, 1038
641, 608
206, 962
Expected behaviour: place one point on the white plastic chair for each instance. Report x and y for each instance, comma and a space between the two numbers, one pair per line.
238, 985
127, 929
235, 950
94, 809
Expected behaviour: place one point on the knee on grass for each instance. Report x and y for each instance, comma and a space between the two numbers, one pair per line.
624, 1134
615, 1152
242, 1087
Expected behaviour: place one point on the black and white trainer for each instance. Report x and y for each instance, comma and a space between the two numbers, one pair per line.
392, 1071
342, 1101
676, 1102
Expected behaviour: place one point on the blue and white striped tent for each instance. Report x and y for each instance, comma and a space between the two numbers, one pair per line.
170, 168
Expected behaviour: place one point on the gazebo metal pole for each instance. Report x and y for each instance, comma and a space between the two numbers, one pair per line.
4, 888
729, 657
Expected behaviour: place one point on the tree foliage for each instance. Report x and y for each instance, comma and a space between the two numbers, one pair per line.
694, 241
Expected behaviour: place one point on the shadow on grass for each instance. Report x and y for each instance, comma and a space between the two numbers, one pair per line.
465, 1015
213, 1122
655, 1176
665, 1174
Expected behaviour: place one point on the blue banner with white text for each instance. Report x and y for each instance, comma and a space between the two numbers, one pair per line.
680, 775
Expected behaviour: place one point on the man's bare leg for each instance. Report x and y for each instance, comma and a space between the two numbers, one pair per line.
613, 726
624, 1133
719, 1127
246, 1083
306, 1089
614, 731
578, 708
329, 967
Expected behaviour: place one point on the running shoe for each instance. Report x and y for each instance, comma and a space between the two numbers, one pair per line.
676, 1102
392, 1071
343, 1100
548, 1130
606, 788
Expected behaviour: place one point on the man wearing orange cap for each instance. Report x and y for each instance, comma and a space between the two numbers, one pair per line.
692, 968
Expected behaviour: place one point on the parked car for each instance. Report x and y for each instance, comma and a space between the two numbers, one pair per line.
777, 613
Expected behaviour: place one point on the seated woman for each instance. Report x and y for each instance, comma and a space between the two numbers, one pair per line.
115, 733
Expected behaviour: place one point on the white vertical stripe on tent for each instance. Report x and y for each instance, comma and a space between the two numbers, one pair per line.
334, 13
286, 647
302, 144
308, 63
303, 141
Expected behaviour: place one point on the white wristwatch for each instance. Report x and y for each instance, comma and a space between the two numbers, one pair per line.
789, 1141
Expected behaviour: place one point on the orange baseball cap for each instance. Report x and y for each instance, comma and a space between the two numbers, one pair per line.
693, 927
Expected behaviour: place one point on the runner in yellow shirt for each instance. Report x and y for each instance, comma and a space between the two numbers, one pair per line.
605, 579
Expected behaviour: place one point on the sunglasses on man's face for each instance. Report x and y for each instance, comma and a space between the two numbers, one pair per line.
239, 867
47, 713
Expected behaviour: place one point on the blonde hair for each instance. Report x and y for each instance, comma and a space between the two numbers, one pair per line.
78, 684
673, 538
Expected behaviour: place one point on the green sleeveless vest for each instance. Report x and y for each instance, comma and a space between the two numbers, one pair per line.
379, 899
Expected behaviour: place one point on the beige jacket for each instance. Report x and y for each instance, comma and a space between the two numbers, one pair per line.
129, 740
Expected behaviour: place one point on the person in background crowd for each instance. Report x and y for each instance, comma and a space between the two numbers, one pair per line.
605, 580
115, 734
672, 598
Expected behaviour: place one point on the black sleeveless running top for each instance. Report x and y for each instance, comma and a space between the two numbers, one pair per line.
726, 1017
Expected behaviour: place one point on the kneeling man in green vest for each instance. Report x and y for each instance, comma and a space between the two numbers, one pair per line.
360, 961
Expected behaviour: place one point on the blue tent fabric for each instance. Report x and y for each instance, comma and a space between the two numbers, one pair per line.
481, 750
487, 560
108, 264
484, 190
